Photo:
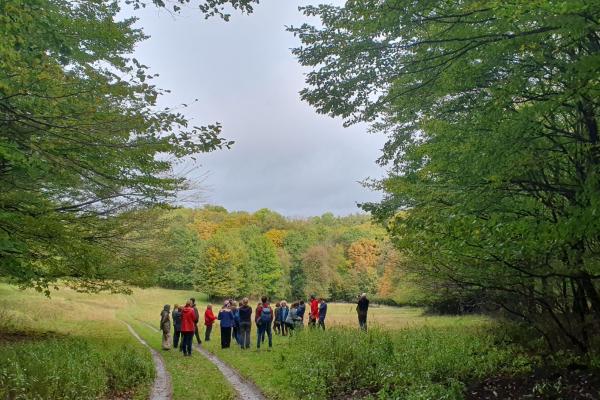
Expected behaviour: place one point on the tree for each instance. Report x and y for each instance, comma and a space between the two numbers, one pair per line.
81, 138
316, 268
263, 261
218, 272
184, 248
491, 109
296, 243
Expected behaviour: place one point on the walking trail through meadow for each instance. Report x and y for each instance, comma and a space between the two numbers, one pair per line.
245, 390
161, 389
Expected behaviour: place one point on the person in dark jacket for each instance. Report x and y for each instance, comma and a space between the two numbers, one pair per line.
300, 314
187, 328
227, 322
165, 327
362, 307
277, 319
196, 320
322, 313
264, 319
245, 312
176, 316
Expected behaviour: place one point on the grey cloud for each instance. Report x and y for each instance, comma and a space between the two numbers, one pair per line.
286, 157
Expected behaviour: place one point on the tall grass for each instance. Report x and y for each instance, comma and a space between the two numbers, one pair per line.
421, 363
71, 369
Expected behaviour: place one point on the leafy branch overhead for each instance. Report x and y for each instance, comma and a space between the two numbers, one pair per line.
82, 139
209, 8
491, 112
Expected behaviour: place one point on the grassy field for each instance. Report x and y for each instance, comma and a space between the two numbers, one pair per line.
405, 354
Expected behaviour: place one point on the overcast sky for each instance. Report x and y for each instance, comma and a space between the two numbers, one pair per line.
286, 156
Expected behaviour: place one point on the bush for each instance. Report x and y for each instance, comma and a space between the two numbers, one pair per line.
70, 369
411, 364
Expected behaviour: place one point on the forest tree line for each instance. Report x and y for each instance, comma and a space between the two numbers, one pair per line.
226, 254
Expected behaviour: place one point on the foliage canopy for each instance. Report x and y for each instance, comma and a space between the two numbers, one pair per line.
491, 109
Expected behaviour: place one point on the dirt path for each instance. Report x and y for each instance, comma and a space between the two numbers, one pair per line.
161, 389
245, 390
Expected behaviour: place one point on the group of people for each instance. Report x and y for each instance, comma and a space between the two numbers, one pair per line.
236, 321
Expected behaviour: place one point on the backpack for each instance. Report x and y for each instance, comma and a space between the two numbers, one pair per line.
265, 315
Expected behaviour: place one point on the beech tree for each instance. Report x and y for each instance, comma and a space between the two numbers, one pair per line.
82, 140
491, 110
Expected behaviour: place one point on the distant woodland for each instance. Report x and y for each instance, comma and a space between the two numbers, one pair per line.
238, 253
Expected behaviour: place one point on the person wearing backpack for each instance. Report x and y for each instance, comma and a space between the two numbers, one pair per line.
264, 318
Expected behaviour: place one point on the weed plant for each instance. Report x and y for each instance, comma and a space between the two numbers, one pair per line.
71, 368
420, 363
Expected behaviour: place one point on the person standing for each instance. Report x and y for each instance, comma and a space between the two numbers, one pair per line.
322, 313
300, 315
362, 307
314, 311
264, 318
283, 314
236, 321
226, 318
245, 312
257, 322
197, 316
187, 328
165, 327
290, 321
209, 320
176, 315
276, 319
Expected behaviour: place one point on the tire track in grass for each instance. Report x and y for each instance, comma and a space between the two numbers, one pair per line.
245, 389
161, 389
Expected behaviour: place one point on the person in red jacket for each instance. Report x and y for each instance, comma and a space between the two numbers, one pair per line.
314, 311
188, 326
209, 320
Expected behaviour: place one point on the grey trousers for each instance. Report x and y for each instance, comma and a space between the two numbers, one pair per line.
245, 334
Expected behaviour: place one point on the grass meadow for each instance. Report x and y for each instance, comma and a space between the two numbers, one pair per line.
73, 341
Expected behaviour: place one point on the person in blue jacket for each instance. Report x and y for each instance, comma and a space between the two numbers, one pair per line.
283, 314
236, 321
227, 322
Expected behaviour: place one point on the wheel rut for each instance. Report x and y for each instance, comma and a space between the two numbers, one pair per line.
161, 389
245, 390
